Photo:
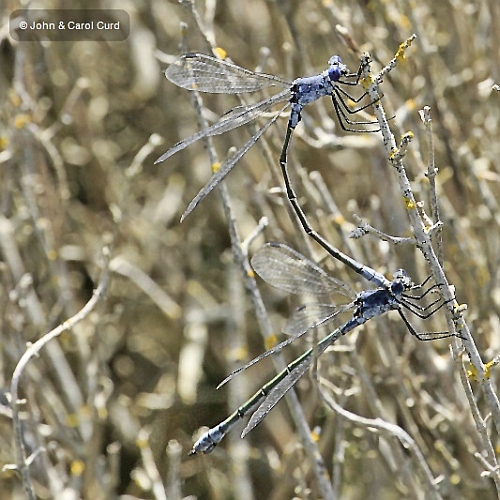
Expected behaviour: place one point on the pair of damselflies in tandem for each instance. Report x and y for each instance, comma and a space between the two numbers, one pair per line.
288, 270
276, 263
204, 73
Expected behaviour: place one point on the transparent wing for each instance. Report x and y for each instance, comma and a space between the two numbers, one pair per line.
309, 316
208, 74
276, 395
299, 324
228, 166
274, 349
299, 368
229, 121
288, 270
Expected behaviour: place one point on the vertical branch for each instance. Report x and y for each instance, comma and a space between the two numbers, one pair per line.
235, 342
423, 242
432, 171
173, 482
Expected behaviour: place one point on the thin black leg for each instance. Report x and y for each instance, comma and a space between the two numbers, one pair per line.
343, 117
419, 311
426, 336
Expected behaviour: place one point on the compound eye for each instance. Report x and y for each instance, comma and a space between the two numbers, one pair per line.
397, 287
334, 73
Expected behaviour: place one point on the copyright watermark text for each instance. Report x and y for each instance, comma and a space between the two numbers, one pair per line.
60, 25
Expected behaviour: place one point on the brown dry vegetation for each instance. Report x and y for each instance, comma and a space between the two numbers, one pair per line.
113, 405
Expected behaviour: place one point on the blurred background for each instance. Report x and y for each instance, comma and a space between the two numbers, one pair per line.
117, 402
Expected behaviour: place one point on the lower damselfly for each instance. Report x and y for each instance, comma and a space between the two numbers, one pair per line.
288, 270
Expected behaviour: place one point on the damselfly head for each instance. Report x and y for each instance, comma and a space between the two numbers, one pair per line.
400, 282
337, 68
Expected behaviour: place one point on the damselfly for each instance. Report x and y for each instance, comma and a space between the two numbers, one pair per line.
205, 73
290, 271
